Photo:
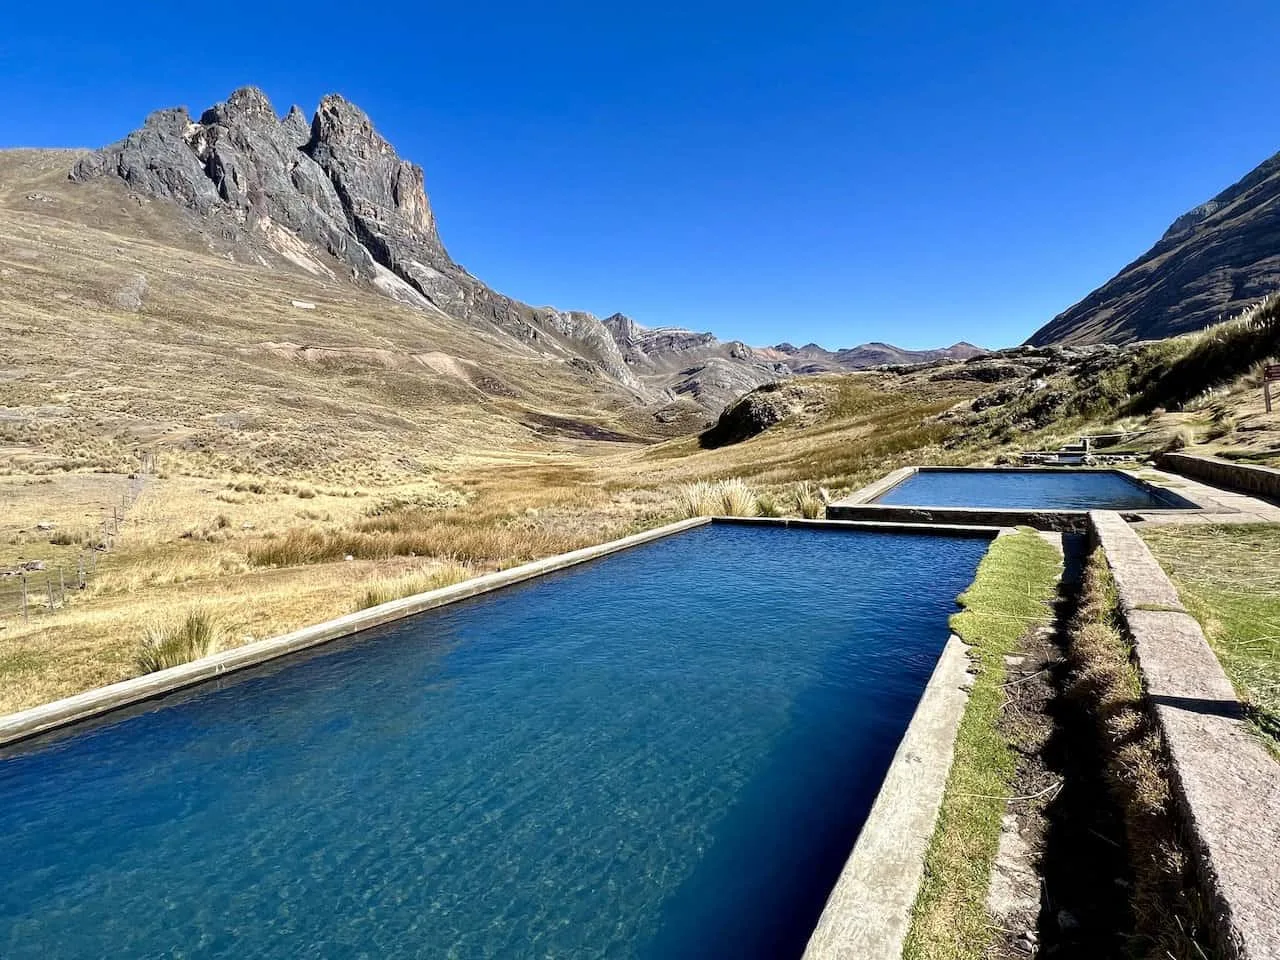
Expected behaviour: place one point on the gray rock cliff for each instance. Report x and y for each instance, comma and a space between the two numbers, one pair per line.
337, 185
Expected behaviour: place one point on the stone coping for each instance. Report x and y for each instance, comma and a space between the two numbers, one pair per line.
114, 697
1064, 521
937, 529
1226, 783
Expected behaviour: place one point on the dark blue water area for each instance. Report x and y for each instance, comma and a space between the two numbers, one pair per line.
1031, 489
666, 753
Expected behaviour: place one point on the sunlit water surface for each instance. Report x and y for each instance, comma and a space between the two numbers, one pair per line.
666, 753
1029, 489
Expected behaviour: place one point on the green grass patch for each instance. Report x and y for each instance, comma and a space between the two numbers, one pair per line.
1011, 593
1229, 578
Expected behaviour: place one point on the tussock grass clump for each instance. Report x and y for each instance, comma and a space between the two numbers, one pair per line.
767, 505
1182, 438
1169, 916
399, 535
385, 589
69, 538
722, 498
1009, 596
1174, 372
164, 646
809, 501
696, 500
737, 499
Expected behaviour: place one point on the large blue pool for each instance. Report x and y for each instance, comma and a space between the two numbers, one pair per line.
1028, 489
666, 753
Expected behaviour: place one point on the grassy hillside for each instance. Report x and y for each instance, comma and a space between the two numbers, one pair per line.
286, 440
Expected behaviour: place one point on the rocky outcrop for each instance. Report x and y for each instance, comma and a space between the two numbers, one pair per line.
755, 413
1212, 262
335, 184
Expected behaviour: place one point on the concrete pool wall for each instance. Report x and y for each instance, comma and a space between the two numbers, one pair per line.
105, 700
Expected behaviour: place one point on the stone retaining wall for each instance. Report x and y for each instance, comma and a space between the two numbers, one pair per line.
1226, 783
1246, 478
1061, 521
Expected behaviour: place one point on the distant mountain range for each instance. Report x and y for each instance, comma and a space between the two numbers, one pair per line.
1211, 263
812, 358
330, 197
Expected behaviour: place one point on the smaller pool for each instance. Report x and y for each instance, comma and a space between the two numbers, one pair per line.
1029, 489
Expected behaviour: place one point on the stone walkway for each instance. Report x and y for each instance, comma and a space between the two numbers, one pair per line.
1217, 505
1226, 783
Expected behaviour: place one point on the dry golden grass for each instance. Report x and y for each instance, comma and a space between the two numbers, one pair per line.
1169, 918
385, 589
174, 643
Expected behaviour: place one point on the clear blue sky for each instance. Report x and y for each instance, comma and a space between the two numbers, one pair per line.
912, 172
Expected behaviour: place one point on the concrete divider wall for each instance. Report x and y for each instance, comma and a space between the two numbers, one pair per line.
1226, 783
1062, 521
1243, 477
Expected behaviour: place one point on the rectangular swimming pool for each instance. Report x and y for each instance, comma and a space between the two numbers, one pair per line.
1029, 489
664, 753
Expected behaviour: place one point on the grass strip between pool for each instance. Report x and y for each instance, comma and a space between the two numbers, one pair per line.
1010, 595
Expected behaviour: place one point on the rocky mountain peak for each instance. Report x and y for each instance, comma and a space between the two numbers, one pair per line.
248, 104
335, 184
622, 327
385, 196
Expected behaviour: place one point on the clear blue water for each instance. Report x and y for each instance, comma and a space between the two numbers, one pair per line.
666, 753
1034, 489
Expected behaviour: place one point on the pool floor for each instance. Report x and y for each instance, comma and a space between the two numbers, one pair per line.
1026, 489
664, 753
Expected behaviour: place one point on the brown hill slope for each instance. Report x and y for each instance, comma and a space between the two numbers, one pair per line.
125, 323
1212, 262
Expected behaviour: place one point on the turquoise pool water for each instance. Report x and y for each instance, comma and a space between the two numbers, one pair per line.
665, 753
1029, 489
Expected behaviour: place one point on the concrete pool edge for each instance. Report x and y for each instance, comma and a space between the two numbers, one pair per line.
1225, 782
868, 912
47, 717
101, 701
